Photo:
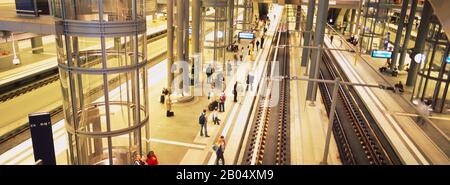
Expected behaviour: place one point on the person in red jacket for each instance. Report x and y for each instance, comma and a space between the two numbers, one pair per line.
151, 158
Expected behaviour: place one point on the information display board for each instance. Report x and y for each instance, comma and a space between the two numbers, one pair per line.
42, 138
29, 7
246, 35
381, 54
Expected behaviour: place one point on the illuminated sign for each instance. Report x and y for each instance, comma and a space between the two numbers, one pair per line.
381, 54
246, 35
448, 60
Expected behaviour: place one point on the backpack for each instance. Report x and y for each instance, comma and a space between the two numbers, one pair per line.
201, 119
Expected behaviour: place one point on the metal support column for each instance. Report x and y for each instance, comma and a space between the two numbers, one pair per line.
186, 79
427, 12
180, 31
358, 27
186, 31
352, 21
373, 24
407, 34
330, 120
244, 16
230, 15
170, 39
399, 33
321, 22
308, 31
298, 17
36, 45
196, 12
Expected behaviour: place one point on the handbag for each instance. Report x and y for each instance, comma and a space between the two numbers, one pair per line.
215, 147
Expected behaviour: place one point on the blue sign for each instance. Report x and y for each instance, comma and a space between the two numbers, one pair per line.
29, 7
381, 54
25, 7
246, 35
448, 60
42, 138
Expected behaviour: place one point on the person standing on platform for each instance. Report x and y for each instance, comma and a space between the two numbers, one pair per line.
331, 39
262, 41
235, 92
241, 56
222, 102
202, 120
219, 81
211, 94
219, 148
163, 95
257, 45
208, 73
247, 82
169, 112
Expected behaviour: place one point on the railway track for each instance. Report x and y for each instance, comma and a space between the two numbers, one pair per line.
358, 138
268, 142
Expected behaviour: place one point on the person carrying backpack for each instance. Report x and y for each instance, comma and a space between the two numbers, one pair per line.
202, 120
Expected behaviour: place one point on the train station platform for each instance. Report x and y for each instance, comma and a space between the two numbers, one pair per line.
396, 115
309, 122
171, 137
